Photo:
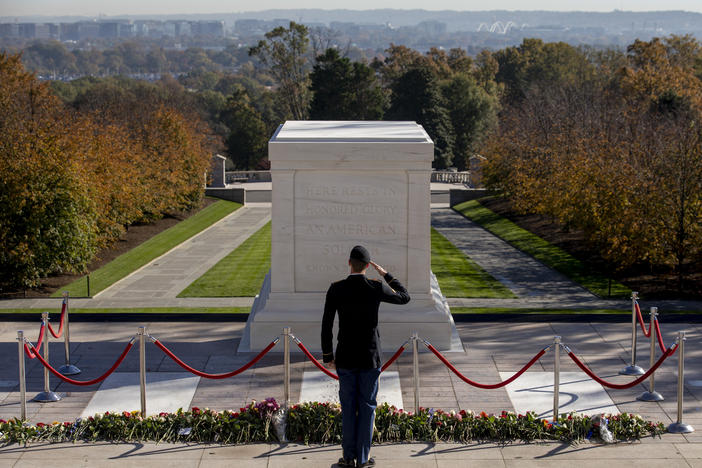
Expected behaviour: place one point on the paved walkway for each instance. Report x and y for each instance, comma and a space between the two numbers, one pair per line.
491, 348
521, 273
168, 275
664, 454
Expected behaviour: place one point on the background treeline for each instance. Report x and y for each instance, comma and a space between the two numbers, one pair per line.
73, 177
603, 141
610, 144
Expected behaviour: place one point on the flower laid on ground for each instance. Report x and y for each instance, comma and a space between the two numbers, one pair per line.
321, 423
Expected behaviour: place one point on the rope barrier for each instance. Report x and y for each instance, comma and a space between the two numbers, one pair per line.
659, 336
314, 361
604, 383
394, 357
309, 355
214, 376
479, 385
119, 360
30, 354
647, 333
60, 331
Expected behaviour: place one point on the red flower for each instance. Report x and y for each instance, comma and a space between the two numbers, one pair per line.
196, 410
2, 421
126, 414
67, 424
41, 424
483, 414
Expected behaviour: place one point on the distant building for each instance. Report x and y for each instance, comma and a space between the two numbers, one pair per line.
9, 30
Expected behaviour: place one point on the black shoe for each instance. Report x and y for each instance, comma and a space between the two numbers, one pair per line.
370, 462
345, 462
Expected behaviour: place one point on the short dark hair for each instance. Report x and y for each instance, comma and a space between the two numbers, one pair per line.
357, 266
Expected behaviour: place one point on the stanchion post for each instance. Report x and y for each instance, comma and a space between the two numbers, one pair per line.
22, 380
652, 394
68, 368
142, 368
556, 375
633, 369
47, 396
286, 366
679, 427
415, 367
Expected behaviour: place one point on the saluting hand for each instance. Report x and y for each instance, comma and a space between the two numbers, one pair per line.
381, 271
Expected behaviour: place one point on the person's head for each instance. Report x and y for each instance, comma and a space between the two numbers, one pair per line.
359, 259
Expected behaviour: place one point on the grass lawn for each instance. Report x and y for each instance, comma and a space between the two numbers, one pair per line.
149, 250
545, 252
240, 273
458, 275
142, 310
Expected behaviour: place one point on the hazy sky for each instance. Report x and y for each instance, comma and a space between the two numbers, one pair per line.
118, 7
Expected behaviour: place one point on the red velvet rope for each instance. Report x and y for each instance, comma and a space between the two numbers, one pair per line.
604, 383
215, 376
79, 382
315, 362
485, 386
394, 357
389, 362
60, 331
659, 336
28, 351
647, 333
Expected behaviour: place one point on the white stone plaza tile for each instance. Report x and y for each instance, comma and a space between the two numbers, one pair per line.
165, 392
533, 391
317, 386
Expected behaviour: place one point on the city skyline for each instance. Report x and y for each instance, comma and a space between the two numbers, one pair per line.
10, 8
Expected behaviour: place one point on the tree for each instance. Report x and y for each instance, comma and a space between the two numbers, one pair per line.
416, 96
283, 53
343, 90
46, 217
247, 139
473, 114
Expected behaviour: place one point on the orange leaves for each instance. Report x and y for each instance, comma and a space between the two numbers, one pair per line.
70, 182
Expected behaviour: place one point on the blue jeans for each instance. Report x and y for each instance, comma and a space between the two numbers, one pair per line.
358, 389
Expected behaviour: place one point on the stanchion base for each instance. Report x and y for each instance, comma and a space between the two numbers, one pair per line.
69, 369
650, 396
632, 370
680, 428
47, 397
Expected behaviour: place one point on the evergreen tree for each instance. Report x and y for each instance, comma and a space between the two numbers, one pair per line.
246, 142
416, 96
343, 90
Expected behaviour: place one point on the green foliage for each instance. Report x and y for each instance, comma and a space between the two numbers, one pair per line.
343, 90
416, 96
320, 423
240, 273
546, 253
473, 113
458, 275
150, 249
249, 424
283, 51
247, 142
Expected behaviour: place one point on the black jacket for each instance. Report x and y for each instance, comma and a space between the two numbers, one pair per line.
357, 299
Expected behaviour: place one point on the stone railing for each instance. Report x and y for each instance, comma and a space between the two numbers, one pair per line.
232, 177
450, 177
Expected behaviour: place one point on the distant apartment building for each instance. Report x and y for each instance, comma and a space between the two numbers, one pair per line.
111, 29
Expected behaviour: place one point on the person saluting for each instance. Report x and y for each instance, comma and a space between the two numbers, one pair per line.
358, 352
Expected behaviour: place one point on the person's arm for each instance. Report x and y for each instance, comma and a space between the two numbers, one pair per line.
393, 292
327, 326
